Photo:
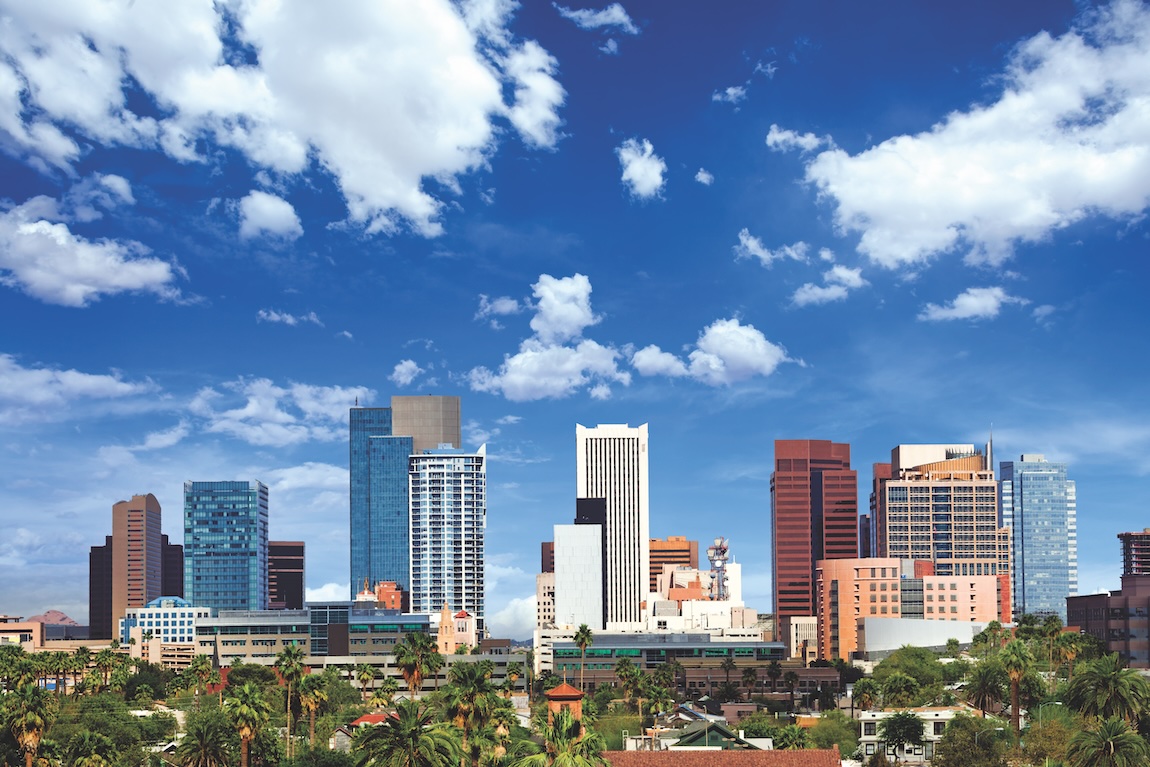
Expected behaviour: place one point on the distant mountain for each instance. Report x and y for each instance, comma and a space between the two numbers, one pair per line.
53, 618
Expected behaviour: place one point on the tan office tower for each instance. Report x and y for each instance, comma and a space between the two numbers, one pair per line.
137, 554
611, 462
941, 505
429, 420
676, 550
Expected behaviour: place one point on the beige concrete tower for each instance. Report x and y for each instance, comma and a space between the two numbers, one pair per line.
137, 554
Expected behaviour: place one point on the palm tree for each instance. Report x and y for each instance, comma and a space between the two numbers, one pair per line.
512, 674
106, 661
90, 749
986, 686
383, 695
565, 744
250, 713
365, 674
200, 668
774, 673
1068, 646
750, 679
792, 738
1016, 660
205, 742
1108, 689
1113, 744
583, 639
31, 712
899, 689
312, 695
290, 665
411, 738
503, 718
866, 693
728, 665
627, 674
417, 657
791, 680
470, 698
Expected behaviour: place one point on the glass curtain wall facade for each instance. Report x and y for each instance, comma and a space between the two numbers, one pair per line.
448, 491
1039, 504
226, 545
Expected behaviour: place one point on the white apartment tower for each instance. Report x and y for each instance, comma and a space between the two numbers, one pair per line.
447, 492
611, 462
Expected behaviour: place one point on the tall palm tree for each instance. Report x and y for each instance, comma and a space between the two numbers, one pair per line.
312, 695
383, 695
512, 674
289, 663
90, 749
1106, 688
565, 744
411, 738
728, 665
200, 668
1113, 744
627, 673
899, 689
417, 657
791, 680
1068, 646
31, 711
866, 693
774, 673
470, 699
584, 638
1016, 659
365, 674
750, 679
250, 712
1051, 629
206, 741
986, 686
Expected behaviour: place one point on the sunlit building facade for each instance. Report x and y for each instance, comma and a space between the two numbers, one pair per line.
226, 545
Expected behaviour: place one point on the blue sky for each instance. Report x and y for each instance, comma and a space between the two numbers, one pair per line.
222, 224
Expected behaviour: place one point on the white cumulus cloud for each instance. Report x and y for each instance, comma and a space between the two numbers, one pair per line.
272, 315
971, 304
266, 214
727, 352
284, 85
39, 392
731, 95
1067, 138
405, 373
704, 177
781, 140
556, 360
614, 16
750, 246
838, 281
642, 169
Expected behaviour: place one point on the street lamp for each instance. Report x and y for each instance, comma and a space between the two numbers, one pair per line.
983, 732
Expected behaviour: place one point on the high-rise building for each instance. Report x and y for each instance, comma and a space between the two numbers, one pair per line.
129, 569
1039, 505
448, 492
611, 464
814, 515
286, 575
381, 442
226, 545
173, 572
1135, 552
676, 550
941, 505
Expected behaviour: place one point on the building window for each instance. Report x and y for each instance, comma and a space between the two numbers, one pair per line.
869, 728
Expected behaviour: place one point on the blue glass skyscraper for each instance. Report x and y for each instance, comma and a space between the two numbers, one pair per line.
1039, 504
226, 545
381, 440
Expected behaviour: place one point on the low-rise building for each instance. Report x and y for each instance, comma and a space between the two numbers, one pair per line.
934, 721
1120, 619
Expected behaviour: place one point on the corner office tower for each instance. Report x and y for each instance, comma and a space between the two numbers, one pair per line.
381, 442
611, 462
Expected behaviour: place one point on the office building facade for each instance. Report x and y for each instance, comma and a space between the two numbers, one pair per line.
941, 505
381, 440
1039, 505
226, 545
814, 515
611, 464
133, 567
1135, 552
675, 550
448, 511
286, 575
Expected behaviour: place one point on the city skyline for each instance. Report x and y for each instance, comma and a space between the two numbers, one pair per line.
736, 224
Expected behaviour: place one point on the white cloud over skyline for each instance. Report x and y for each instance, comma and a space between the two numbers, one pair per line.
643, 170
971, 304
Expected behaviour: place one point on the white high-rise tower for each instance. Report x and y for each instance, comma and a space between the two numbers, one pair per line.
611, 461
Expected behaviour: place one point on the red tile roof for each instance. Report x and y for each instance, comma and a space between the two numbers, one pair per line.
370, 719
563, 691
800, 758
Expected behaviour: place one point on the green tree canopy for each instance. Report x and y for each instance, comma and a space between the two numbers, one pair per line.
901, 729
413, 738
1112, 744
969, 741
1105, 688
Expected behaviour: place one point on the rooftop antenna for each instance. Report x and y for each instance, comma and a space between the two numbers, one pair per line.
718, 554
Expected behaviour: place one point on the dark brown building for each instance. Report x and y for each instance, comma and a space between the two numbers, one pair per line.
285, 575
1135, 552
814, 515
547, 557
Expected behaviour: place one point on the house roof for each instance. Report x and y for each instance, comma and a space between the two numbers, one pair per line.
370, 719
799, 758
